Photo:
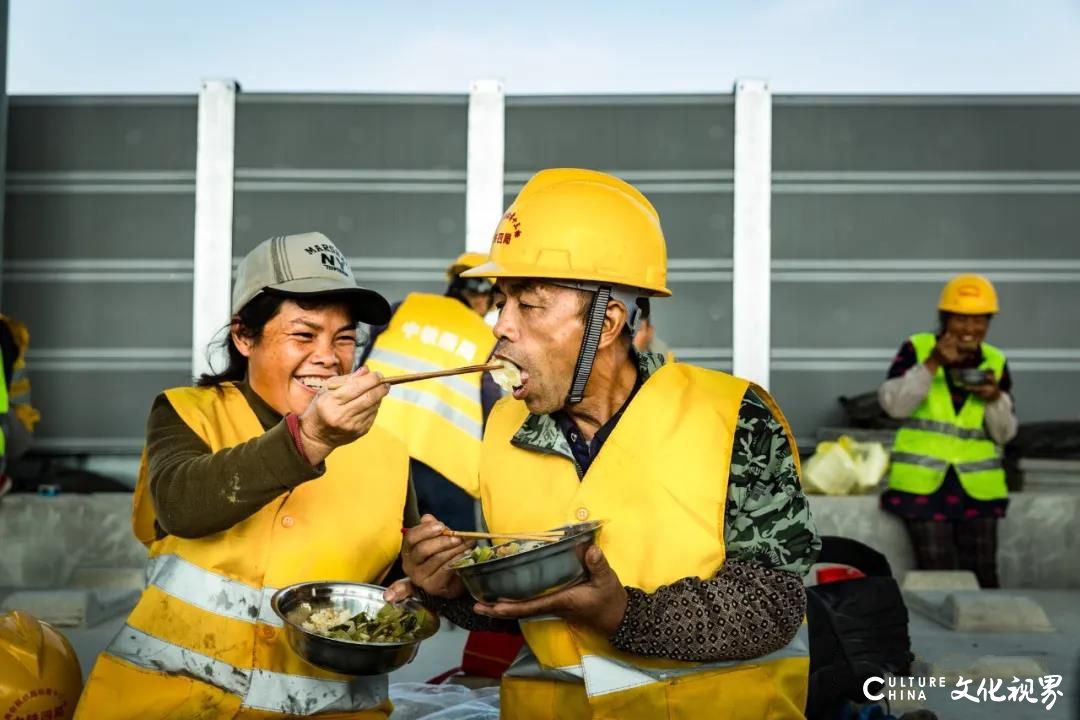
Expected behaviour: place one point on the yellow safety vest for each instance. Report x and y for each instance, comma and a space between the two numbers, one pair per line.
18, 401
660, 481
440, 420
203, 641
936, 436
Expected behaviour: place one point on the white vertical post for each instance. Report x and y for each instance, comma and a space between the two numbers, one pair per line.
3, 116
213, 221
484, 164
751, 315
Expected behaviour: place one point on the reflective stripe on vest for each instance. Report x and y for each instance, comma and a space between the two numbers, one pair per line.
945, 428
440, 420
427, 401
937, 464
447, 412
210, 591
261, 689
979, 466
603, 675
412, 364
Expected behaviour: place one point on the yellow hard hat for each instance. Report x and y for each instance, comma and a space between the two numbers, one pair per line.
39, 672
583, 225
465, 261
969, 295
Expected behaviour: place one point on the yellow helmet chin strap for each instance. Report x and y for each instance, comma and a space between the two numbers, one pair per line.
594, 326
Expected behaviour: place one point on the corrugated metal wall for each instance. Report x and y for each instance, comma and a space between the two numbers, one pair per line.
679, 150
876, 201
382, 176
98, 240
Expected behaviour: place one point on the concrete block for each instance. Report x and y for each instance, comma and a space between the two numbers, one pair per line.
981, 611
990, 612
928, 603
73, 608
979, 667
916, 580
1026, 559
46, 538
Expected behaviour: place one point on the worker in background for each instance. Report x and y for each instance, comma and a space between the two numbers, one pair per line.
645, 339
39, 671
17, 415
267, 474
440, 420
952, 389
694, 607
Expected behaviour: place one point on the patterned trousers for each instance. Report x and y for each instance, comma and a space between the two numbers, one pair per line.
957, 545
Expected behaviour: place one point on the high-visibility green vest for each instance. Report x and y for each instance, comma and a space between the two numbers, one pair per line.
936, 436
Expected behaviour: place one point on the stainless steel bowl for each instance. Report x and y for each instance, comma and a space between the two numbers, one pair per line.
969, 377
533, 573
345, 656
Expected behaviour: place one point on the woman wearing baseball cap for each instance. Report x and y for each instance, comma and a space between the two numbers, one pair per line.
261, 476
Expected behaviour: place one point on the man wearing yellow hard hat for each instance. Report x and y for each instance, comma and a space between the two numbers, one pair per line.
440, 420
952, 389
695, 602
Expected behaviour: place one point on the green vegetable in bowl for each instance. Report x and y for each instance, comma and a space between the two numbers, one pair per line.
483, 553
389, 625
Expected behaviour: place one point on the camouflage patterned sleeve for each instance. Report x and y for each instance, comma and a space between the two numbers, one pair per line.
768, 517
755, 602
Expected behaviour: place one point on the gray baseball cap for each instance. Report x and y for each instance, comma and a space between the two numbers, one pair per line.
301, 266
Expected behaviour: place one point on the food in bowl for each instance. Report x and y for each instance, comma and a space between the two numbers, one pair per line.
389, 625
484, 553
971, 377
523, 570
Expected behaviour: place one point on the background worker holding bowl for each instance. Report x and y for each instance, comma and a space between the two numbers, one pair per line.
695, 600
953, 391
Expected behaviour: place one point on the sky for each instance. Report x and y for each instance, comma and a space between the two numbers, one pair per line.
548, 46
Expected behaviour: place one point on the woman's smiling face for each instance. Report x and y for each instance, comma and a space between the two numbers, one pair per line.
297, 351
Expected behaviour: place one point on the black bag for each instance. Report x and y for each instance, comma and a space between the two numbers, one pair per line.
865, 411
1058, 440
858, 628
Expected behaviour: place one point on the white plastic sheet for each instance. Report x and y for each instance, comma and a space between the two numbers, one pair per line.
845, 467
421, 701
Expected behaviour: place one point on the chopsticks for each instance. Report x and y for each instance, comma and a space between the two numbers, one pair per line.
545, 535
412, 377
398, 379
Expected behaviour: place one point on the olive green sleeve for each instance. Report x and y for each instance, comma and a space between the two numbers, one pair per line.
197, 492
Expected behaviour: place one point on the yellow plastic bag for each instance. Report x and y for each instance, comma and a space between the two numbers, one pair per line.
845, 467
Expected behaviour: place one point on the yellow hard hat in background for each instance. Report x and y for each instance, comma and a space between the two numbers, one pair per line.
465, 261
583, 225
39, 672
969, 295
